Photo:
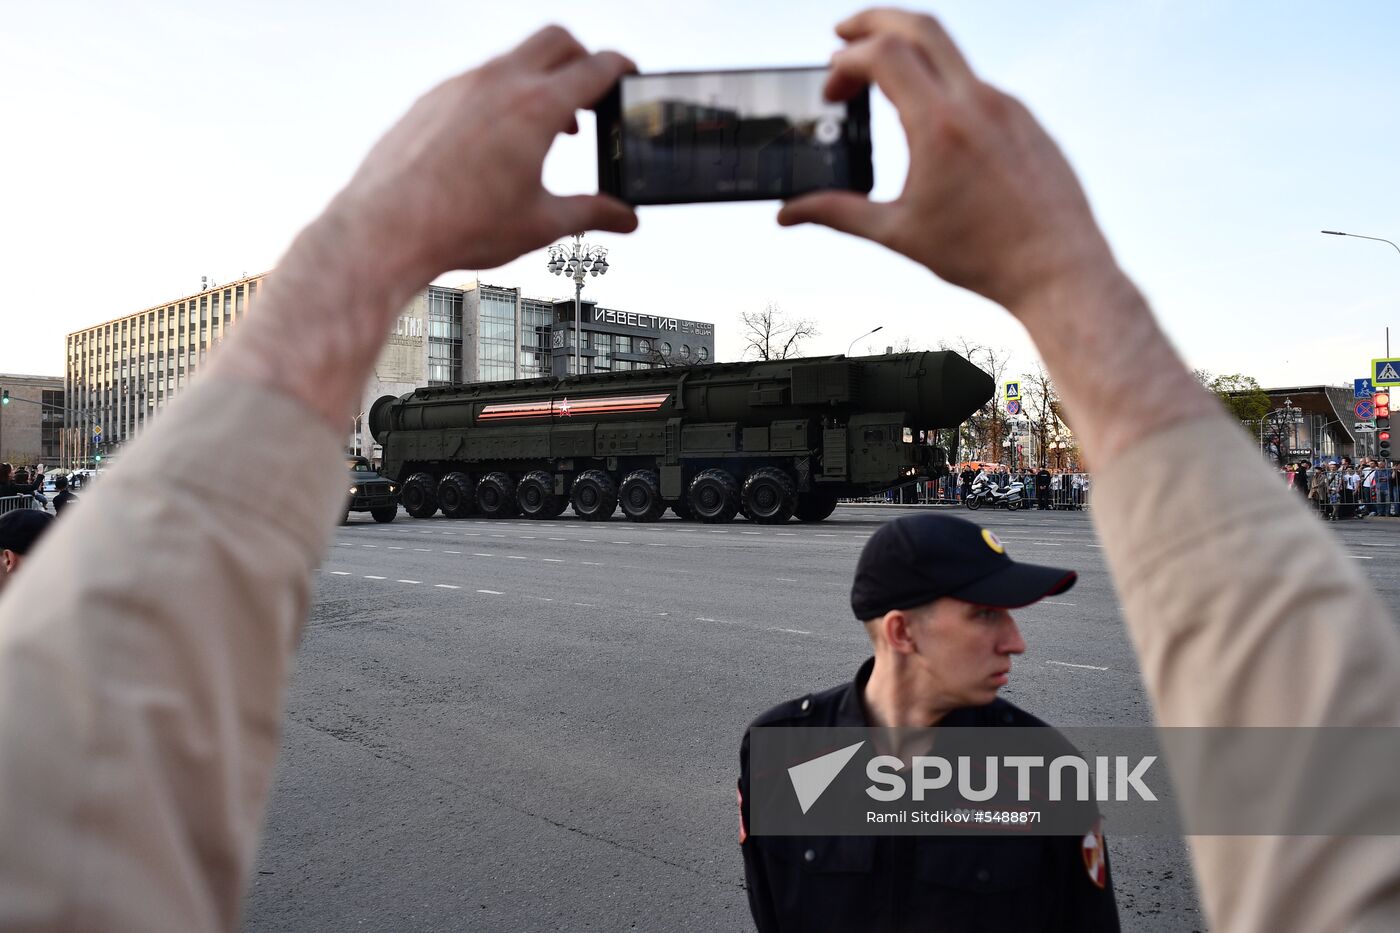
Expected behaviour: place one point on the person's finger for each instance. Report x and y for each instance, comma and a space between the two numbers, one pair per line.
549, 48
840, 210
919, 28
888, 61
591, 212
585, 80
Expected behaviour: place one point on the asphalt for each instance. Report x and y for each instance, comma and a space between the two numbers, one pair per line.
534, 725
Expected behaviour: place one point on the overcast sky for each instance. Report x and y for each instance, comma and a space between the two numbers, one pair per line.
149, 143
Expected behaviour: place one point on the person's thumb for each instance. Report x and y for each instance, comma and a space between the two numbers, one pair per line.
840, 210
593, 212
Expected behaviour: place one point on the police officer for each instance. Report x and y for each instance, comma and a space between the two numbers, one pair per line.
934, 593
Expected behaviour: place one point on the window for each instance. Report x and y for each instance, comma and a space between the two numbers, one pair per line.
685, 351
665, 348
703, 354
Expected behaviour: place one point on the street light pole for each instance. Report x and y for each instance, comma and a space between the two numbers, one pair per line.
578, 259
1376, 239
863, 336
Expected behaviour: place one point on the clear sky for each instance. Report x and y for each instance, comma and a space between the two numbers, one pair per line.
148, 143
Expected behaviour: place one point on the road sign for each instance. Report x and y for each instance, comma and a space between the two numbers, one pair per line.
1013, 391
1013, 407
1365, 409
1363, 389
97, 430
1385, 372
1364, 427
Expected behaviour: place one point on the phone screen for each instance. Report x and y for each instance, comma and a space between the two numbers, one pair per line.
730, 135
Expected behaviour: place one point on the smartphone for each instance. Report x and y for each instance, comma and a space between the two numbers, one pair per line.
691, 136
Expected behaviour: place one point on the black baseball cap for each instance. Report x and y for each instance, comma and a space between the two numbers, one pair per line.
20, 528
916, 559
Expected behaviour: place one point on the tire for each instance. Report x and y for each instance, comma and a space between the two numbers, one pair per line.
682, 509
1013, 505
534, 494
769, 496
714, 496
457, 495
495, 495
594, 497
345, 519
815, 506
419, 495
640, 497
974, 503
384, 514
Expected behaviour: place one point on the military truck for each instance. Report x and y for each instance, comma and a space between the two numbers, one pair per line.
370, 492
771, 440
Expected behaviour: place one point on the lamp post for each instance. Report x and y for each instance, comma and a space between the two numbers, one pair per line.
578, 259
1377, 240
863, 336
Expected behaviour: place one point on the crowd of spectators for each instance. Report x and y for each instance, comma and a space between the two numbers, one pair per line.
1339, 489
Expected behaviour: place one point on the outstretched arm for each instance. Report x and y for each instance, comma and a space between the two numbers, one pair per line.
144, 648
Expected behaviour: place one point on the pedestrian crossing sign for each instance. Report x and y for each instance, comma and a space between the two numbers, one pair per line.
1385, 372
1013, 390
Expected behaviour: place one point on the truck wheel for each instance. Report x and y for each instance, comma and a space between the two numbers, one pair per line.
419, 495
815, 506
770, 496
457, 495
682, 509
594, 497
384, 514
714, 496
535, 495
641, 497
495, 495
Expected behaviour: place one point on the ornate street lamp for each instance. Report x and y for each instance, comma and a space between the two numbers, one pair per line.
578, 259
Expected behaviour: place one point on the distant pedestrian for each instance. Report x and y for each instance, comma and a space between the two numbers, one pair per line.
1042, 488
61, 495
1318, 492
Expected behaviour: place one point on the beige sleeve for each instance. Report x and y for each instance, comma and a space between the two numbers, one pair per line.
1245, 611
143, 652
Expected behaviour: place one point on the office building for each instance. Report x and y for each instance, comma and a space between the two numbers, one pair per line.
31, 421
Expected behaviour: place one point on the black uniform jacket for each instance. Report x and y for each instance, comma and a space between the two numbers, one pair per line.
930, 883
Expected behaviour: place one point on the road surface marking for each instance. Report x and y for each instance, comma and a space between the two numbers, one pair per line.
451, 552
395, 548
446, 586
552, 560
341, 573
479, 554
492, 592
370, 576
720, 621
516, 557
369, 545
586, 605
592, 563
1087, 667
408, 581
791, 631
423, 549
1359, 557
750, 532
785, 579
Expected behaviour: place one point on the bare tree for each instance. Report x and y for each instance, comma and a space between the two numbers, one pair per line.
771, 334
1041, 403
987, 426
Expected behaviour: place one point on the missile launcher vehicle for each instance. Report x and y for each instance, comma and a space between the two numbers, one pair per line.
770, 440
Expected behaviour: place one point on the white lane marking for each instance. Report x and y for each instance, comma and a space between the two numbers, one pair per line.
345, 545
422, 549
498, 536
516, 557
791, 631
720, 621
471, 534
622, 542
408, 581
492, 592
785, 579
750, 532
717, 531
824, 536
585, 605
341, 573
1359, 557
1045, 543
479, 554
786, 534
369, 545
543, 599
552, 560
592, 563
589, 540
655, 544
558, 539
395, 548
451, 552
370, 576
428, 532
526, 537
1086, 667
446, 586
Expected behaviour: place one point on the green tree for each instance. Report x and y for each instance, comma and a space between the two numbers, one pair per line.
1240, 394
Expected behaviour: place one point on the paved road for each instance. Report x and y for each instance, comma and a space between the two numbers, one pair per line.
534, 726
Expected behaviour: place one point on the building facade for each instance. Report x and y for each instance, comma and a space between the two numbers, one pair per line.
31, 421
121, 372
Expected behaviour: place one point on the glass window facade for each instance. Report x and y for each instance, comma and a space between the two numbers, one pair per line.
444, 336
497, 348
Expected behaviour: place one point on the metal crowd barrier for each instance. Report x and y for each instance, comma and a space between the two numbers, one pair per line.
1068, 492
10, 503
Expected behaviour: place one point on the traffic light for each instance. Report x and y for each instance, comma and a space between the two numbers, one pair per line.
1382, 402
5, 397
98, 458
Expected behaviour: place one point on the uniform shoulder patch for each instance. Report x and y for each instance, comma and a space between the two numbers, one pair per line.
1095, 858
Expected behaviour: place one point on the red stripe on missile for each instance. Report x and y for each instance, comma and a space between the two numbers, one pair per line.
566, 407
